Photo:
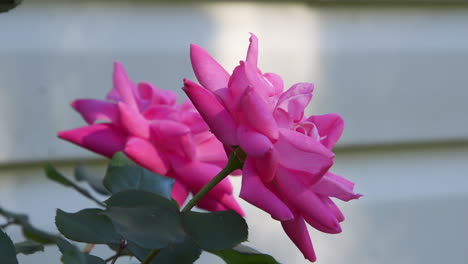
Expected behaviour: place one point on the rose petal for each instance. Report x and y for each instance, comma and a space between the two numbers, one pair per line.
252, 142
306, 202
210, 149
298, 152
104, 139
213, 112
252, 52
254, 191
267, 166
185, 170
330, 128
179, 192
208, 71
123, 85
296, 230
333, 208
93, 110
146, 155
335, 186
258, 114
295, 100
276, 83
174, 137
133, 121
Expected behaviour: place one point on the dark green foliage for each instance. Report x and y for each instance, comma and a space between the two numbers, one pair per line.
7, 250
216, 230
54, 175
185, 252
244, 254
7, 5
93, 180
88, 226
122, 175
28, 247
148, 227
29, 231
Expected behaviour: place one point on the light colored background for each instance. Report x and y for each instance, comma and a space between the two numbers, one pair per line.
398, 75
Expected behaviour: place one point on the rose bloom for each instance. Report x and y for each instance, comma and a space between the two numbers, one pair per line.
286, 172
148, 125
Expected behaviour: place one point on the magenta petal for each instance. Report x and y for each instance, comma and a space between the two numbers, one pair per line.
174, 137
236, 87
252, 53
295, 100
255, 192
123, 85
258, 82
252, 142
230, 203
93, 110
335, 186
259, 115
104, 139
211, 204
299, 152
185, 171
330, 128
267, 166
146, 155
276, 82
213, 112
306, 202
133, 121
208, 71
210, 149
179, 192
296, 230
319, 226
333, 208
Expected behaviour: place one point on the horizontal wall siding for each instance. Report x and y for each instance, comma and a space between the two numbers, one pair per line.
397, 74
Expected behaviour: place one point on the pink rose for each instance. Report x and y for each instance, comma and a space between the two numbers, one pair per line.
288, 154
148, 125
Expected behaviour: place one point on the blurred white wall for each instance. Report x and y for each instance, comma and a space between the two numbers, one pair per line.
398, 75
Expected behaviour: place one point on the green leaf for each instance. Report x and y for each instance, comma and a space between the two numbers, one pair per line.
28, 247
90, 259
122, 174
7, 250
29, 231
37, 235
137, 251
7, 5
148, 227
72, 255
244, 254
185, 252
216, 230
93, 180
56, 176
88, 226
135, 198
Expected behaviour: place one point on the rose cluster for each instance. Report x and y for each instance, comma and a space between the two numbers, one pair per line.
288, 155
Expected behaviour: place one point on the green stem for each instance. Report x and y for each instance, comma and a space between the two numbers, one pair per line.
150, 257
235, 161
233, 164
